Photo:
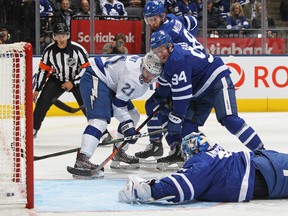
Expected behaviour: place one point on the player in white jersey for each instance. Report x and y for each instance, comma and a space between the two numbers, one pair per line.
213, 174
107, 88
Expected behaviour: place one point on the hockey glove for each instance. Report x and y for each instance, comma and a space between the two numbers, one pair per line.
174, 125
137, 190
127, 128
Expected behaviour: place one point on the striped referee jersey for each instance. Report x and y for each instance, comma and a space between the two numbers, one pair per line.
66, 64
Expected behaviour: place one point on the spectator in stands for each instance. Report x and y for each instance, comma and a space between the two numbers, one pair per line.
84, 10
113, 8
249, 10
225, 5
237, 20
45, 8
117, 46
268, 21
214, 19
46, 12
136, 3
65, 14
5, 37
283, 9
186, 7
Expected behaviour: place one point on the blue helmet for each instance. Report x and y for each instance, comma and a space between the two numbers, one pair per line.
159, 38
153, 8
194, 143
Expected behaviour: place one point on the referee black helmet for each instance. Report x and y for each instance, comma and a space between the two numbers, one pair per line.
60, 28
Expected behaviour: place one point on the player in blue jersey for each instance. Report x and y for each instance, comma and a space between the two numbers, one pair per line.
107, 88
180, 29
197, 82
214, 174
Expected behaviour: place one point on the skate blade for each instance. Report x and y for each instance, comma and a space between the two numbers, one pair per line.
149, 160
88, 177
169, 166
122, 165
85, 174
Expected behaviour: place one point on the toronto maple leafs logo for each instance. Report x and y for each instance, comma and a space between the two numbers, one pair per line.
71, 62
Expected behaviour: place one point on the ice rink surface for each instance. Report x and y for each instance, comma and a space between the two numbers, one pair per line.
58, 194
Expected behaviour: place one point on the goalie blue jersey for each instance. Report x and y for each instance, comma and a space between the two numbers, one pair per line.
216, 175
189, 73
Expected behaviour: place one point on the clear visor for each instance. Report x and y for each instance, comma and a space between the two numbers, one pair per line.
152, 20
61, 36
148, 75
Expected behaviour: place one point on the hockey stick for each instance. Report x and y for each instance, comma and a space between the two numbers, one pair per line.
36, 158
61, 105
116, 150
125, 139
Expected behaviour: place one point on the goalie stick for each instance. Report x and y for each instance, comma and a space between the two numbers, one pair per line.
61, 105
136, 136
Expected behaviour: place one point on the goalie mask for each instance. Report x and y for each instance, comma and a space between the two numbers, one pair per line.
194, 143
151, 66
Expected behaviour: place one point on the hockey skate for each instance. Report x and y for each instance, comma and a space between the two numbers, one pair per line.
124, 161
173, 161
84, 168
151, 153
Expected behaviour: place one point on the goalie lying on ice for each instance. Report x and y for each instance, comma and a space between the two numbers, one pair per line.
211, 173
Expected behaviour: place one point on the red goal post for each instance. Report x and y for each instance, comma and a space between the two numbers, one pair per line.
16, 125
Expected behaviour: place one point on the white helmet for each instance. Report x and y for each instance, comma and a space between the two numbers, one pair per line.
152, 63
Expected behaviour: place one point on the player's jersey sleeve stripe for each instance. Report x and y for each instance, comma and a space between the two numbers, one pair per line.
182, 97
245, 181
189, 184
181, 193
181, 89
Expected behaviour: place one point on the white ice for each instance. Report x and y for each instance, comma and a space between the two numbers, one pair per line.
63, 133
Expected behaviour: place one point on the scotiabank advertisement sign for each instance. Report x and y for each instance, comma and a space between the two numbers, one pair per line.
259, 77
254, 77
104, 31
246, 46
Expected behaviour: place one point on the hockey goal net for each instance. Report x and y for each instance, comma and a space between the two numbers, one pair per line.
16, 126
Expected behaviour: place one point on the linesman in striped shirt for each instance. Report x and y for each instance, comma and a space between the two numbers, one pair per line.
60, 69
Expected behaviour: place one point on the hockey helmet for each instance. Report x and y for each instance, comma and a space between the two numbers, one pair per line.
60, 28
194, 143
153, 8
152, 63
159, 38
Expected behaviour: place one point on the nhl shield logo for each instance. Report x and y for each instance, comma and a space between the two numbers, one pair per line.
71, 62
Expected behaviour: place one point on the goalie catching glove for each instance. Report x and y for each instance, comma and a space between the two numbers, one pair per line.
138, 190
127, 129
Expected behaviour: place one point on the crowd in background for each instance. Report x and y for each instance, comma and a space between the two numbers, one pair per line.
234, 17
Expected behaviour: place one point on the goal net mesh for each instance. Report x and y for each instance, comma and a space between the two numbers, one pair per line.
13, 119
